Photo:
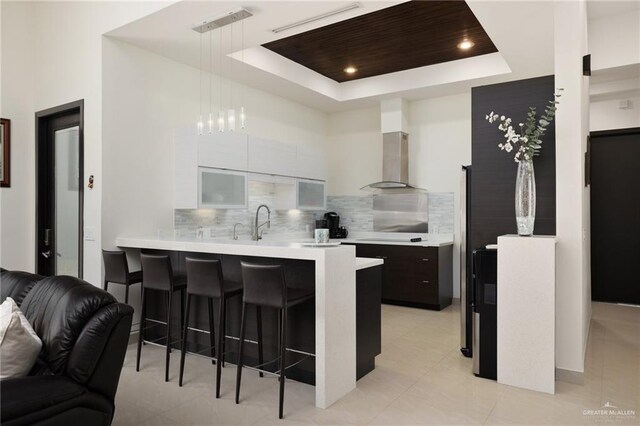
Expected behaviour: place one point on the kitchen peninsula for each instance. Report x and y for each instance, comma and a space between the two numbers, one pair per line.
330, 270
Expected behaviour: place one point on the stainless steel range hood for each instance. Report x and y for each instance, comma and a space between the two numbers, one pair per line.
395, 166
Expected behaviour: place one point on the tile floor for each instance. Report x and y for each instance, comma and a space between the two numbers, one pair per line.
420, 378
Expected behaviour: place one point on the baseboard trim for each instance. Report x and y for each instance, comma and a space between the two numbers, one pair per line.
569, 376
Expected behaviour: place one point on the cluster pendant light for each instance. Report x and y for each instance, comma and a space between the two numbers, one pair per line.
226, 115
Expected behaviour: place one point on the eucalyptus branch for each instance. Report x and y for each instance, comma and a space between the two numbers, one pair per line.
528, 142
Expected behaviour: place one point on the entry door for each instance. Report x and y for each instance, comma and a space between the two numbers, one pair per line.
615, 216
59, 195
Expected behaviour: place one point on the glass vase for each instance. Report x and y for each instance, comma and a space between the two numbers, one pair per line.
525, 198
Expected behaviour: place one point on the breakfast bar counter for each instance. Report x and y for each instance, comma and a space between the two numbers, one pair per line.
331, 318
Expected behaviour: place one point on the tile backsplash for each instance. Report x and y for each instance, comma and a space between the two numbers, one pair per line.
441, 205
356, 213
221, 221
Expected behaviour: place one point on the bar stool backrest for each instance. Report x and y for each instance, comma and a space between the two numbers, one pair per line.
264, 285
156, 271
116, 268
204, 277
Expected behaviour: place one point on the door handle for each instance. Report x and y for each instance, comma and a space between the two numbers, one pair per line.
47, 237
46, 254
425, 260
425, 282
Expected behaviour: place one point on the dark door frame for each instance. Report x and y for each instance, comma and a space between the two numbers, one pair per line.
42, 118
615, 132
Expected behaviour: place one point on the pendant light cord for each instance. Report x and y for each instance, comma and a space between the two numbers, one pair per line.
200, 79
243, 65
210, 82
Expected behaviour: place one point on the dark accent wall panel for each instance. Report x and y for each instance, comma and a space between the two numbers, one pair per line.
494, 172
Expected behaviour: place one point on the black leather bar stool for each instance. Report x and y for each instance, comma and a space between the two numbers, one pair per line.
265, 285
204, 279
116, 270
158, 275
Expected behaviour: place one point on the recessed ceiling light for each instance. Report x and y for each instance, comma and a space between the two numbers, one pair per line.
465, 44
350, 70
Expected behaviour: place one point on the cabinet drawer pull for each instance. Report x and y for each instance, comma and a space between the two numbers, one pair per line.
381, 257
425, 281
425, 260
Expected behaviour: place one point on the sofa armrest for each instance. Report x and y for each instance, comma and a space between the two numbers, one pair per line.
97, 357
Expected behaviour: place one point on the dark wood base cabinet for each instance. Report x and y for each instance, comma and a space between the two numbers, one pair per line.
368, 319
420, 277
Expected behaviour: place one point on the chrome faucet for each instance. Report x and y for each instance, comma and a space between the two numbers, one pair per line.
257, 234
235, 235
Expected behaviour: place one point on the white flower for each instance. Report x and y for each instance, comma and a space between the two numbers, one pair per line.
495, 116
502, 118
521, 124
527, 156
508, 147
501, 127
501, 146
525, 139
486, 117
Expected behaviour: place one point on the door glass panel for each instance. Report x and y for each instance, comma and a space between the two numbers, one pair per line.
310, 194
222, 189
67, 201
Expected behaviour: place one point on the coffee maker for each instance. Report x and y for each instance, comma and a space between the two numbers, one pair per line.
333, 223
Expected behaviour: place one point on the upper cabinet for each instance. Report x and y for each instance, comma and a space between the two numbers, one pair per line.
223, 150
311, 163
310, 195
271, 157
207, 165
222, 189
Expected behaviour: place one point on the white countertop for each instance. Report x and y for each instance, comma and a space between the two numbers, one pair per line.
283, 249
398, 238
266, 247
367, 262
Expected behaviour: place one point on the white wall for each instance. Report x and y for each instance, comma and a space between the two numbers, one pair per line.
354, 142
53, 67
614, 40
439, 144
145, 97
17, 203
606, 114
573, 286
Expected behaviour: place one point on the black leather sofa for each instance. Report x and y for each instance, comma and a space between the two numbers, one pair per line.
85, 333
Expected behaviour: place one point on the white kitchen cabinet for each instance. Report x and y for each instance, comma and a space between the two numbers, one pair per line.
222, 189
310, 195
311, 162
223, 150
271, 157
291, 193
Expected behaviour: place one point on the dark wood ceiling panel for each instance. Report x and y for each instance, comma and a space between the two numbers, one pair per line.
410, 35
